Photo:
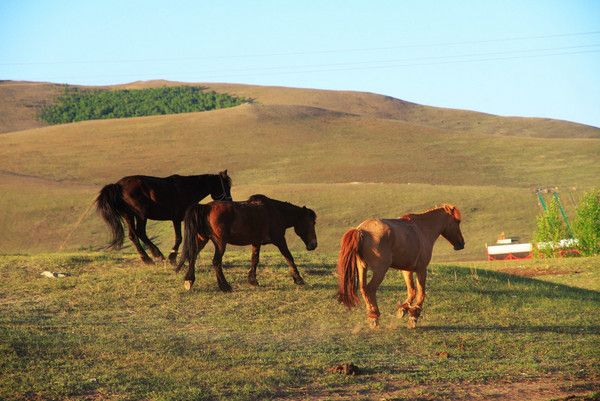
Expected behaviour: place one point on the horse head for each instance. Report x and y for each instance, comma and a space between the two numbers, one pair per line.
305, 228
221, 190
452, 229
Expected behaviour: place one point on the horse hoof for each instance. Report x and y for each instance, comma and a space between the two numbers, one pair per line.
187, 284
173, 259
412, 323
298, 280
400, 313
253, 281
374, 323
225, 287
147, 261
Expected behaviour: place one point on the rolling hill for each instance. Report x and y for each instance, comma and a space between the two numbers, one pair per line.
348, 155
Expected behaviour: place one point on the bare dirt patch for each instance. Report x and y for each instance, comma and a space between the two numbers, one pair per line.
524, 271
542, 389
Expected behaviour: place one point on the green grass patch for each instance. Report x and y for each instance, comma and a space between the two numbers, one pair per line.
96, 104
118, 330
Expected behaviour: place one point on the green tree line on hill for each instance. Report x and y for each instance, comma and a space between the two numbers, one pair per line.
79, 105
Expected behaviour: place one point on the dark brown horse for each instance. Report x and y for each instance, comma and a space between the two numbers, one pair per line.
258, 221
140, 198
405, 244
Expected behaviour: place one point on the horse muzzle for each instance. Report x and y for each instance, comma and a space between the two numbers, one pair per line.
312, 246
460, 246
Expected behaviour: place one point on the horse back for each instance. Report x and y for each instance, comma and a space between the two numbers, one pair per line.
158, 198
239, 223
391, 242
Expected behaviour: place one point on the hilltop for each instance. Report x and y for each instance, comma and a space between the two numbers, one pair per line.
348, 155
21, 101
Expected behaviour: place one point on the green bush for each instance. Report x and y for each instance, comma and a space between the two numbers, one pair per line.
79, 105
550, 229
587, 223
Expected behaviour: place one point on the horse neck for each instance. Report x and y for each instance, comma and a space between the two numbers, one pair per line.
431, 223
289, 213
204, 184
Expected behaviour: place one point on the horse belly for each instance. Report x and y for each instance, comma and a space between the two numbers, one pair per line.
247, 230
405, 252
147, 203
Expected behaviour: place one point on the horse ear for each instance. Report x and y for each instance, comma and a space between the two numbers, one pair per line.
223, 173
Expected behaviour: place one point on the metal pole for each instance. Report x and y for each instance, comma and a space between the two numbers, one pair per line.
564, 215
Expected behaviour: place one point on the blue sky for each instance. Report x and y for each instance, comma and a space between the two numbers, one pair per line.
528, 58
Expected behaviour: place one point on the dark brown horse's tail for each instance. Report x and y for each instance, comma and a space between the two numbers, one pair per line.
110, 205
194, 225
347, 267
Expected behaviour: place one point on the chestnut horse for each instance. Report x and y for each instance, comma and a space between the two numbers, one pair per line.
138, 198
258, 221
405, 244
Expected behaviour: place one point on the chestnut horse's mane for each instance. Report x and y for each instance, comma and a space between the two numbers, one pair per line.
448, 208
290, 207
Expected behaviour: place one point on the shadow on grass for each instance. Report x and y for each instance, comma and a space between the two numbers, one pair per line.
543, 289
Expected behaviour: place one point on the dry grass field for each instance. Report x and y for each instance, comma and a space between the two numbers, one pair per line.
118, 330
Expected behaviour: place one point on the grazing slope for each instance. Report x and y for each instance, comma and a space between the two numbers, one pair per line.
348, 155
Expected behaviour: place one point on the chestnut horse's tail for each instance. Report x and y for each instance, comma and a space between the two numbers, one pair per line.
347, 267
110, 205
194, 222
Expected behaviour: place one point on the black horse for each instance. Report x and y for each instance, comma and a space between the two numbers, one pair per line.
138, 198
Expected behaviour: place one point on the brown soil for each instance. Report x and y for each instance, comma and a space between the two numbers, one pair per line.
543, 389
533, 271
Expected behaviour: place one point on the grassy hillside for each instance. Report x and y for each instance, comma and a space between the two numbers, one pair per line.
283, 144
16, 101
21, 103
43, 216
347, 165
293, 153
119, 330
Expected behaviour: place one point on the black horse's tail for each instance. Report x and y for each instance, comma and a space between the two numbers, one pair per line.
110, 205
194, 222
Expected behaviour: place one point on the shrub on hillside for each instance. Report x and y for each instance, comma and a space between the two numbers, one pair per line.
586, 226
79, 105
550, 229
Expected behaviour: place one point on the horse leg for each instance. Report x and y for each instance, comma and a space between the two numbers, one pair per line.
415, 311
410, 294
369, 292
129, 219
140, 230
255, 257
173, 253
190, 275
283, 248
218, 266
